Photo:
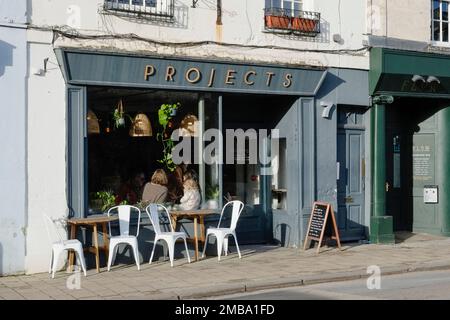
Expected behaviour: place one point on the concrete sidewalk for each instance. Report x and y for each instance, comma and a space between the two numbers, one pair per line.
261, 267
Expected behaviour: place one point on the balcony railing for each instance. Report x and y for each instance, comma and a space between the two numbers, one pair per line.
157, 8
305, 23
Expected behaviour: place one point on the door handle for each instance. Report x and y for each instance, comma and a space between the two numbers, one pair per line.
387, 186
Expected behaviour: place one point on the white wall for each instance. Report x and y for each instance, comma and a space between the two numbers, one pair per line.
243, 24
46, 149
12, 132
401, 19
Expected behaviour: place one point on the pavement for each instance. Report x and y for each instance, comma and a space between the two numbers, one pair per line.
261, 267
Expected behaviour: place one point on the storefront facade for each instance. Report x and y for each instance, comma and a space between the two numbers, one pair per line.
410, 121
299, 102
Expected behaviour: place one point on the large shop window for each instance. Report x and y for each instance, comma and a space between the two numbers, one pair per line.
440, 21
125, 147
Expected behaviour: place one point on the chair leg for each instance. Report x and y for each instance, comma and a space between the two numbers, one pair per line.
56, 255
237, 246
187, 251
171, 247
220, 239
111, 253
82, 261
225, 245
153, 251
204, 246
51, 263
136, 255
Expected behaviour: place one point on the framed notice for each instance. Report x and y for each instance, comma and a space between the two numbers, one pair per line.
322, 225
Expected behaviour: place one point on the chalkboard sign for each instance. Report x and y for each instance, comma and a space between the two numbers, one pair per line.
318, 215
320, 226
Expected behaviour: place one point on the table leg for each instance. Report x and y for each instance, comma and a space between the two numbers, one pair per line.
195, 239
73, 234
105, 240
95, 236
174, 223
202, 229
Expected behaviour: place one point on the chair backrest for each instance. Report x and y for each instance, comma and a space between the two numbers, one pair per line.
237, 207
52, 230
153, 213
124, 213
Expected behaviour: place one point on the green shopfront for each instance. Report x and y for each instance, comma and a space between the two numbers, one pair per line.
410, 143
300, 102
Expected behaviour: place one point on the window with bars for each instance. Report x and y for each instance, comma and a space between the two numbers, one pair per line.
163, 8
289, 7
288, 16
439, 21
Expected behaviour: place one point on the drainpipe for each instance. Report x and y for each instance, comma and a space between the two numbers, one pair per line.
219, 21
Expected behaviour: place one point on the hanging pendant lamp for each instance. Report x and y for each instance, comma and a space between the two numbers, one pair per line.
189, 126
92, 122
141, 126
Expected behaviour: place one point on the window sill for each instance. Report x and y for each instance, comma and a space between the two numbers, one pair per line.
439, 44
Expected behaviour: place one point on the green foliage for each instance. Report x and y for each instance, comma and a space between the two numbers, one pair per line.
119, 118
212, 192
108, 199
165, 114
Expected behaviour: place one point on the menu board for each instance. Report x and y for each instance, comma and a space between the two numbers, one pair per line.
322, 223
317, 224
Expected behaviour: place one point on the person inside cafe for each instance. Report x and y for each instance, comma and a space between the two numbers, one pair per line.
156, 190
192, 198
131, 190
175, 185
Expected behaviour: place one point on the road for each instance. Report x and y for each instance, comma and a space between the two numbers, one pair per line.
433, 285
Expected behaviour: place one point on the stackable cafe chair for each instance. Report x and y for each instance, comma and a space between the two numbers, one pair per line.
124, 213
222, 234
169, 237
59, 245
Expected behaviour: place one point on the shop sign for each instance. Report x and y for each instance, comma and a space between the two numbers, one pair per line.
90, 68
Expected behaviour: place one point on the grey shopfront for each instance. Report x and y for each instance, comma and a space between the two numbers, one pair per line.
317, 111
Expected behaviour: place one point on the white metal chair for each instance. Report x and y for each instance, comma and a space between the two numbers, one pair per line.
169, 237
124, 213
61, 245
221, 234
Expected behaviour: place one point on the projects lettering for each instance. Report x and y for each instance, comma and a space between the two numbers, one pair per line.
194, 75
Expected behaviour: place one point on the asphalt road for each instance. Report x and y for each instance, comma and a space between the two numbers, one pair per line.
433, 285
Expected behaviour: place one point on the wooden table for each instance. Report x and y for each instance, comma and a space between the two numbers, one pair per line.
198, 216
92, 221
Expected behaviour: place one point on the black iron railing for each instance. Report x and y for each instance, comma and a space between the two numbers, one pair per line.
292, 21
159, 8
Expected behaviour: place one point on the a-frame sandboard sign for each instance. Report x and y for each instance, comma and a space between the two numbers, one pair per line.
318, 223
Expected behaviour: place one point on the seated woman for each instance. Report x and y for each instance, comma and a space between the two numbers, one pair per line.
175, 185
156, 190
191, 199
131, 190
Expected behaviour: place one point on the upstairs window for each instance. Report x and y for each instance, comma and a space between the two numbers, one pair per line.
288, 6
439, 21
163, 8
288, 16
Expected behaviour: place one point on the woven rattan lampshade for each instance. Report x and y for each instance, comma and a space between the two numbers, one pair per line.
141, 126
92, 121
189, 126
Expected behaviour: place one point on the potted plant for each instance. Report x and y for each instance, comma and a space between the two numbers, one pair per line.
212, 194
165, 114
304, 24
276, 19
119, 115
106, 199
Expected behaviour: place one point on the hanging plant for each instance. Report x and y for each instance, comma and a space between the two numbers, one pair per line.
165, 114
119, 115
